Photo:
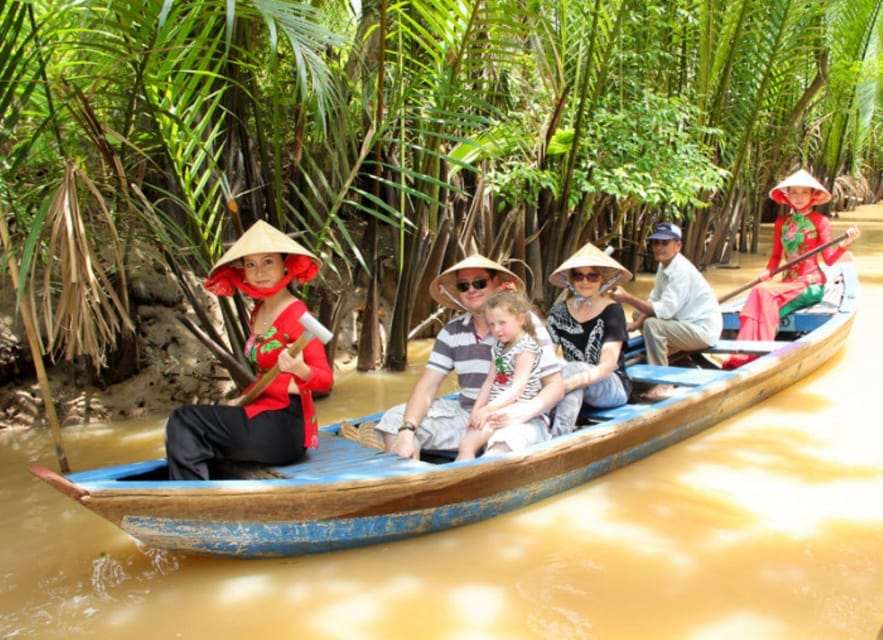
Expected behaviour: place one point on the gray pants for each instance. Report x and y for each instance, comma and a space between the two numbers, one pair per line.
660, 336
604, 394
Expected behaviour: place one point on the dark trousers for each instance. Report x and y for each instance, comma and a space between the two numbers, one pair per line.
198, 434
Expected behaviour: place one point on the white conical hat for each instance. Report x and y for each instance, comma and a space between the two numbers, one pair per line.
444, 288
263, 237
801, 178
590, 256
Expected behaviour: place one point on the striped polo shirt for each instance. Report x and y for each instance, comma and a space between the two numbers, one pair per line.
458, 348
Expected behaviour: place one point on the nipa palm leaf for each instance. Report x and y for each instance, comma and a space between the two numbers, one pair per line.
88, 316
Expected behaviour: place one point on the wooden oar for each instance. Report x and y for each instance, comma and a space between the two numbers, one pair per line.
785, 266
312, 329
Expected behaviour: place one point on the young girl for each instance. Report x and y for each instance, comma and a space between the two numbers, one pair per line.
280, 424
800, 230
515, 357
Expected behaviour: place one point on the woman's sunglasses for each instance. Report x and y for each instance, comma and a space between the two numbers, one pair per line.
478, 285
579, 276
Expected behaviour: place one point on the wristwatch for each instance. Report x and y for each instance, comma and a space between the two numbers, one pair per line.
407, 425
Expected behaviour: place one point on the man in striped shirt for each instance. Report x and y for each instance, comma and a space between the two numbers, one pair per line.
464, 346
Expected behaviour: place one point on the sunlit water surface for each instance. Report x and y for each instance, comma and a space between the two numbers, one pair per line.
769, 525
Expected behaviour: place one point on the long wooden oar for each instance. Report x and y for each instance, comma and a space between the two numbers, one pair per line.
312, 329
785, 266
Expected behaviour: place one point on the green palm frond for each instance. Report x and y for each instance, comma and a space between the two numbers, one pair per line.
308, 39
854, 35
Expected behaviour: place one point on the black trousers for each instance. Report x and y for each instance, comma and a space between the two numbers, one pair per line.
199, 434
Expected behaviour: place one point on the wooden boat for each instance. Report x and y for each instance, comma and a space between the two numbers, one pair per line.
348, 495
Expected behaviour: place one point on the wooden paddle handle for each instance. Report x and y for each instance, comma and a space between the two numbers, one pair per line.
312, 329
787, 265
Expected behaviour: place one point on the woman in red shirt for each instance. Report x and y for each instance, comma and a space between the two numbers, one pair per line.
796, 232
280, 424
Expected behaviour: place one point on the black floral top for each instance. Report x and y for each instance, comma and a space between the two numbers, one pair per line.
582, 341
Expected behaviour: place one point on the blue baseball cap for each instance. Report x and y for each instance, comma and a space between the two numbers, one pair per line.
666, 231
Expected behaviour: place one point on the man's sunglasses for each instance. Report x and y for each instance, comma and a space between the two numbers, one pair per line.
478, 285
579, 276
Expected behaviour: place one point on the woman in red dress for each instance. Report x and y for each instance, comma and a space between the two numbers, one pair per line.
795, 233
280, 424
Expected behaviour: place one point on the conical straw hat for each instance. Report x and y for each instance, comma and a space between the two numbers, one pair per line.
590, 256
263, 237
801, 178
444, 288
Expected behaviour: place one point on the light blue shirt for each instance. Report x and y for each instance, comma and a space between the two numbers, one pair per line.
681, 293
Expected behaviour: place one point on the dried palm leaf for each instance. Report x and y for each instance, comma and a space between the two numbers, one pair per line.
88, 315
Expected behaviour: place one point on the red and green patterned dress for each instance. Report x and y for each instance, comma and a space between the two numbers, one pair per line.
801, 285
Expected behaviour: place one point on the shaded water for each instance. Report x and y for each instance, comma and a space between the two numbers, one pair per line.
769, 525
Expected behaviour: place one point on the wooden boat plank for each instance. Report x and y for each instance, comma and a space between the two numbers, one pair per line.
812, 319
336, 457
377, 465
332, 451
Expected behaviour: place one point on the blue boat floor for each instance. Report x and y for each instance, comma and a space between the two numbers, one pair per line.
343, 459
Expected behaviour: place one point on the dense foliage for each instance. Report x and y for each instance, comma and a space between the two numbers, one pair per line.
396, 137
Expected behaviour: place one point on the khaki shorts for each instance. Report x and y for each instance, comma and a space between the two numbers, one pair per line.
442, 428
519, 437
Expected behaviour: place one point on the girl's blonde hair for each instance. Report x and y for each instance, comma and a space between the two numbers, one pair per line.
513, 302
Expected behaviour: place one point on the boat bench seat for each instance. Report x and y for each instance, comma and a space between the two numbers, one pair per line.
624, 412
680, 376
753, 346
806, 320
646, 373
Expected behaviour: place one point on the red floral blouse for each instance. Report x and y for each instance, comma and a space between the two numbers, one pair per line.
263, 351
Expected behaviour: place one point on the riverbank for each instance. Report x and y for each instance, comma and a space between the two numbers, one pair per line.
175, 367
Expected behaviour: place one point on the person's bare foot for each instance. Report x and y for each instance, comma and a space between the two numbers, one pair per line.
660, 392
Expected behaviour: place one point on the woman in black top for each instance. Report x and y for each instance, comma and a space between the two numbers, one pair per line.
591, 330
